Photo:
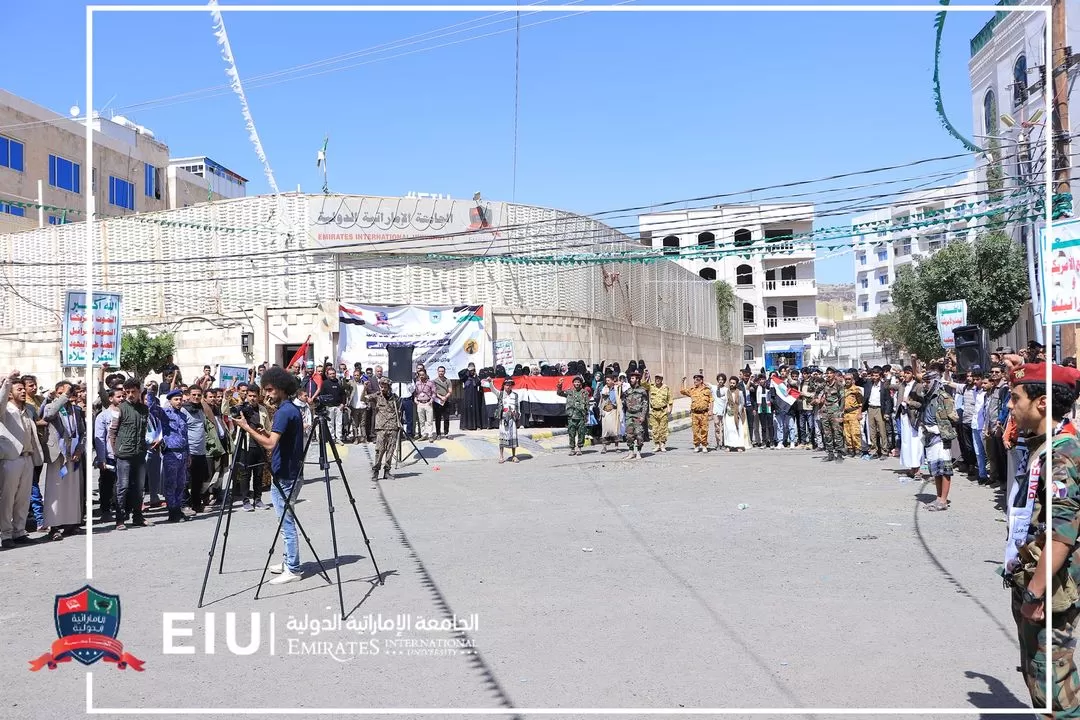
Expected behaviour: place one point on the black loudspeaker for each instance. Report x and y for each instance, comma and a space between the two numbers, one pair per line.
972, 344
400, 363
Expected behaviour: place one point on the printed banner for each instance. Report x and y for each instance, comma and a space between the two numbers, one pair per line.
231, 375
950, 315
356, 223
537, 394
504, 354
453, 336
81, 332
1063, 291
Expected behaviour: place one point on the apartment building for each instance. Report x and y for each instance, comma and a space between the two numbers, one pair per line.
773, 278
893, 241
192, 180
43, 158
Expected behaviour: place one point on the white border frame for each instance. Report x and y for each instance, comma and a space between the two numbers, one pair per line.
91, 234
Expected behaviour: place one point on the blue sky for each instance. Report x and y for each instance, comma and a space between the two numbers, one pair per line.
616, 110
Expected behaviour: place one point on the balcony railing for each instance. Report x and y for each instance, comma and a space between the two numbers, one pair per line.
799, 323
795, 284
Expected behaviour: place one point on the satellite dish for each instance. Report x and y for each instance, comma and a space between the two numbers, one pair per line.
74, 110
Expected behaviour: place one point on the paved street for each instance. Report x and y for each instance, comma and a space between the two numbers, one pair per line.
585, 582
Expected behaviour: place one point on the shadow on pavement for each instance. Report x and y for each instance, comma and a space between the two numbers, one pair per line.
996, 696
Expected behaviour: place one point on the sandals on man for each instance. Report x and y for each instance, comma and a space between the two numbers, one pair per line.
937, 506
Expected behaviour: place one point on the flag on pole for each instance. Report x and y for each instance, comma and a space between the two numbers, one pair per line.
320, 159
300, 355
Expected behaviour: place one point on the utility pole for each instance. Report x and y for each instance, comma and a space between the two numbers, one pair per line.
1059, 74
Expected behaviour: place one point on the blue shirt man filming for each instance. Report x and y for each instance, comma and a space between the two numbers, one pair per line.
286, 446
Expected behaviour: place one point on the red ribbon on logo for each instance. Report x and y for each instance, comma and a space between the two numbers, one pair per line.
63, 647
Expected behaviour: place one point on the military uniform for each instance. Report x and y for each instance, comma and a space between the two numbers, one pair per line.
660, 399
636, 403
577, 411
832, 399
700, 411
1065, 600
853, 419
387, 424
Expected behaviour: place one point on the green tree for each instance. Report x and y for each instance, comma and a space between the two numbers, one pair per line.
725, 305
142, 354
888, 331
990, 274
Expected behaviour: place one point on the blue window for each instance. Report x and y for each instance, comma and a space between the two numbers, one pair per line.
121, 193
56, 220
11, 154
64, 174
10, 209
883, 254
150, 181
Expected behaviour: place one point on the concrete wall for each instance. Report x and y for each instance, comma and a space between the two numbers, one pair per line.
540, 335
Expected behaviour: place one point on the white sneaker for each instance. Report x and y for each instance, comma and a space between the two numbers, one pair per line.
277, 569
287, 576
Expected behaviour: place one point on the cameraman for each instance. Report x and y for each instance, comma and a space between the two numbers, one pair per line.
251, 462
286, 445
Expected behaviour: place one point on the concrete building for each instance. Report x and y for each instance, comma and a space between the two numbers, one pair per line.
42, 159
207, 287
773, 279
880, 251
193, 180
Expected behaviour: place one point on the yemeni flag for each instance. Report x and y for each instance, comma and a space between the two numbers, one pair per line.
786, 395
300, 354
320, 159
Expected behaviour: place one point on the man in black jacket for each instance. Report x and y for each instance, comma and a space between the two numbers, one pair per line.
878, 407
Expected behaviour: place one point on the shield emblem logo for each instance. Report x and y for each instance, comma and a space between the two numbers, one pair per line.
87, 612
436, 317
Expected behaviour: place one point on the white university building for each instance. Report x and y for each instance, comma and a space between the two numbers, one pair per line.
774, 279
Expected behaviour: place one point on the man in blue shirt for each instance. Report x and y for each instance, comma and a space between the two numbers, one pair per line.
286, 446
175, 452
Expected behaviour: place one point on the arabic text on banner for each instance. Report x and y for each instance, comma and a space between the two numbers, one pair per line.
453, 336
99, 333
1063, 291
950, 315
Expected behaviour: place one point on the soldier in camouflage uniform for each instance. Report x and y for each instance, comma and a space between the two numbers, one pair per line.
1026, 556
577, 411
387, 409
636, 403
660, 403
831, 401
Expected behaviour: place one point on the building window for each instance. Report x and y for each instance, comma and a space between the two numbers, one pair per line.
865, 283
748, 353
150, 182
56, 220
16, 210
905, 247
787, 275
883, 280
791, 308
744, 275
772, 236
862, 258
671, 245
706, 238
64, 174
707, 273
11, 154
121, 193
866, 307
742, 238
990, 113
748, 313
883, 254
1020, 82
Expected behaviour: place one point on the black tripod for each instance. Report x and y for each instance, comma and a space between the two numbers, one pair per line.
402, 436
241, 443
322, 427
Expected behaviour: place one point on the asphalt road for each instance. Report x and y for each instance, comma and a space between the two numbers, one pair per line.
576, 582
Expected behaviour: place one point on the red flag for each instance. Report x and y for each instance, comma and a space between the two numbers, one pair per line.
300, 354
